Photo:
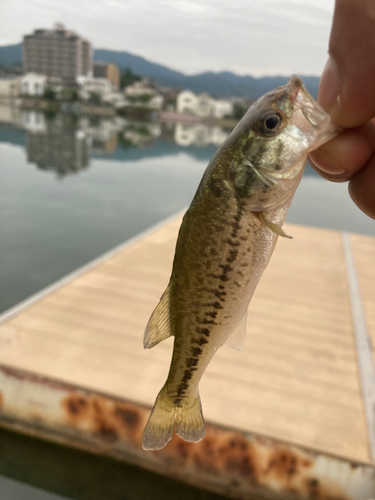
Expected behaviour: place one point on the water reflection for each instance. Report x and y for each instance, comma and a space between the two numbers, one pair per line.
57, 145
65, 143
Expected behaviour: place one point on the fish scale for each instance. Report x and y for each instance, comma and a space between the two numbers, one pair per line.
226, 239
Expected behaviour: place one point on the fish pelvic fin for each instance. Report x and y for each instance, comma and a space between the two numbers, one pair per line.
187, 419
273, 227
158, 327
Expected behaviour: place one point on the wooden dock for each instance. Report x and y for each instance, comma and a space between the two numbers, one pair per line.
296, 381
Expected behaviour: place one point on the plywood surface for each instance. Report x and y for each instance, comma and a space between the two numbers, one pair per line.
296, 378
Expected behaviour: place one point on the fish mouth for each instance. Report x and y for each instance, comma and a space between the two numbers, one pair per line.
308, 115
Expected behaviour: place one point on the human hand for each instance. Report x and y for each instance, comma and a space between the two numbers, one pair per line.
347, 93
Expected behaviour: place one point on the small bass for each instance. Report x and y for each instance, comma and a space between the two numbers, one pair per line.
225, 242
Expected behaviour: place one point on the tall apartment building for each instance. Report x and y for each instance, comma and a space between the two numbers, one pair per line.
109, 71
57, 53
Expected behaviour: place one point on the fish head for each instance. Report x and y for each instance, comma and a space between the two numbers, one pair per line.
271, 143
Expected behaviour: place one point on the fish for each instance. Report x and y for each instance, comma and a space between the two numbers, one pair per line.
225, 242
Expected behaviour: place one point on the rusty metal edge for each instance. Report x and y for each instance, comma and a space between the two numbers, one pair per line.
227, 461
48, 290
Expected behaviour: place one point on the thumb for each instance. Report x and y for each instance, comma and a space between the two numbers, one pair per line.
347, 89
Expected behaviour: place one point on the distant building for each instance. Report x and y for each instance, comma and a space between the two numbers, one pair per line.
144, 94
89, 85
10, 86
33, 84
202, 105
57, 53
109, 71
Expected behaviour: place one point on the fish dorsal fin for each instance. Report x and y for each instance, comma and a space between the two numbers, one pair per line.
158, 327
237, 338
274, 227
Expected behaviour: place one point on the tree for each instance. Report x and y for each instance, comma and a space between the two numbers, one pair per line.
49, 94
128, 78
95, 98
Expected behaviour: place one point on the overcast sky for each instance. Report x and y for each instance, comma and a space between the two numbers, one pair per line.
244, 36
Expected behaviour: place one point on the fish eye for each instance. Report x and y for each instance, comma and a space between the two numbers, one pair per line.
269, 123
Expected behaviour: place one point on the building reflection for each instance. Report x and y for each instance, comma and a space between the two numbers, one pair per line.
198, 134
58, 145
64, 142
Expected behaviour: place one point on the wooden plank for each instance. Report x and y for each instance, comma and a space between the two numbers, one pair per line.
296, 379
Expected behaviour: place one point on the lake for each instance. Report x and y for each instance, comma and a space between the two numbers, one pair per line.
71, 189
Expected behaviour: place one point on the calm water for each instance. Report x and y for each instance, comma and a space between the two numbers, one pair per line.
71, 189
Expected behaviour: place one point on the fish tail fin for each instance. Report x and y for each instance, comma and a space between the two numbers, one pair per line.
165, 415
189, 421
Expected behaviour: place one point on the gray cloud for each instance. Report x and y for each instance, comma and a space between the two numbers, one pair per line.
244, 36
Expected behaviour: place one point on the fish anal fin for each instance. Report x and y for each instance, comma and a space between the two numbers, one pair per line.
237, 338
158, 327
273, 227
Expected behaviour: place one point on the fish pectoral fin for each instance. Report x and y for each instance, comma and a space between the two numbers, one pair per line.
158, 327
274, 227
237, 338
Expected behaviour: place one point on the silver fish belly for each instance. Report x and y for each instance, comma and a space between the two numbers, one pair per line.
225, 242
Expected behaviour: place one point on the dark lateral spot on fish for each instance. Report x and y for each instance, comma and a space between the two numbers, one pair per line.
191, 363
236, 226
221, 287
203, 331
223, 277
216, 305
206, 321
277, 167
233, 243
211, 314
182, 389
129, 417
196, 351
226, 268
218, 293
187, 376
202, 341
177, 401
216, 187
237, 284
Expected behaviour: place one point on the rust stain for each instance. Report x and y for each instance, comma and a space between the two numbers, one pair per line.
244, 463
104, 417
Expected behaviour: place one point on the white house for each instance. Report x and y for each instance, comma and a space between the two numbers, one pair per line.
100, 86
202, 105
143, 94
33, 84
223, 107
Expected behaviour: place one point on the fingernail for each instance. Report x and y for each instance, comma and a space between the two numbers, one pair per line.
330, 88
325, 164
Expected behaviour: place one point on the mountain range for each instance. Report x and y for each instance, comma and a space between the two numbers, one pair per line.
220, 84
